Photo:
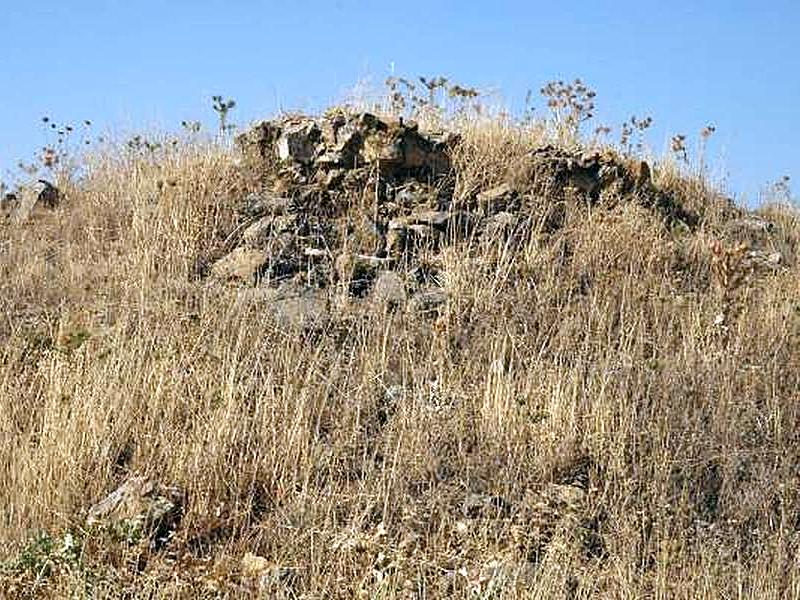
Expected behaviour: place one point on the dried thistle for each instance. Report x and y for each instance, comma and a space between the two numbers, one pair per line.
678, 147
223, 108
637, 126
570, 103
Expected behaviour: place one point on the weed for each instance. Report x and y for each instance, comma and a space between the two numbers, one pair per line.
568, 371
678, 147
223, 108
570, 104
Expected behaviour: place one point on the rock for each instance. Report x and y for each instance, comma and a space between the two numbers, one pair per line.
269, 577
762, 260
438, 219
401, 146
141, 508
425, 229
349, 265
412, 194
396, 242
291, 305
258, 233
588, 173
484, 505
755, 231
427, 301
242, 265
389, 289
555, 503
343, 137
348, 140
404, 237
253, 565
358, 271
507, 575
49, 196
298, 142
496, 199
260, 204
262, 231
751, 223
8, 204
499, 226
315, 253
257, 144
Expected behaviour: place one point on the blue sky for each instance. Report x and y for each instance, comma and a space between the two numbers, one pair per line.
150, 64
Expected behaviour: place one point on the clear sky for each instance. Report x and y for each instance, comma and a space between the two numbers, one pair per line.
140, 64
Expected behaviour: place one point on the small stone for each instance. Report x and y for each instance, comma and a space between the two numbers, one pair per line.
500, 198
315, 252
759, 259
435, 218
289, 304
484, 505
388, 289
396, 241
428, 301
142, 508
358, 271
269, 576
8, 204
260, 232
253, 565
499, 225
49, 196
751, 223
242, 265
259, 204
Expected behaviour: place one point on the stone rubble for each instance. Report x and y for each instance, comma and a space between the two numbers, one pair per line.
354, 201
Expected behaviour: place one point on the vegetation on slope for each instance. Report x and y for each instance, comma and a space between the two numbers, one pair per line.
605, 404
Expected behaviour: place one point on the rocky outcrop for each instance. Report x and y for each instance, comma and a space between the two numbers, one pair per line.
343, 140
353, 201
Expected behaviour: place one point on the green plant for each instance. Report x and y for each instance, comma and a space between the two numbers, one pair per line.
44, 553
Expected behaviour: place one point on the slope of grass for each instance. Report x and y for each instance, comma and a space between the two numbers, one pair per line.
647, 447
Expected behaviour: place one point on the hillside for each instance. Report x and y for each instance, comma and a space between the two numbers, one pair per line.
356, 355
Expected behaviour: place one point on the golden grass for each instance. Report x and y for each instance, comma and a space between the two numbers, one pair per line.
589, 353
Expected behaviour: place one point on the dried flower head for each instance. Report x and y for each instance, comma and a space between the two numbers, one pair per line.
678, 147
707, 131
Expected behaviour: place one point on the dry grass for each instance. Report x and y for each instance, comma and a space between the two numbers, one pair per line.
588, 355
